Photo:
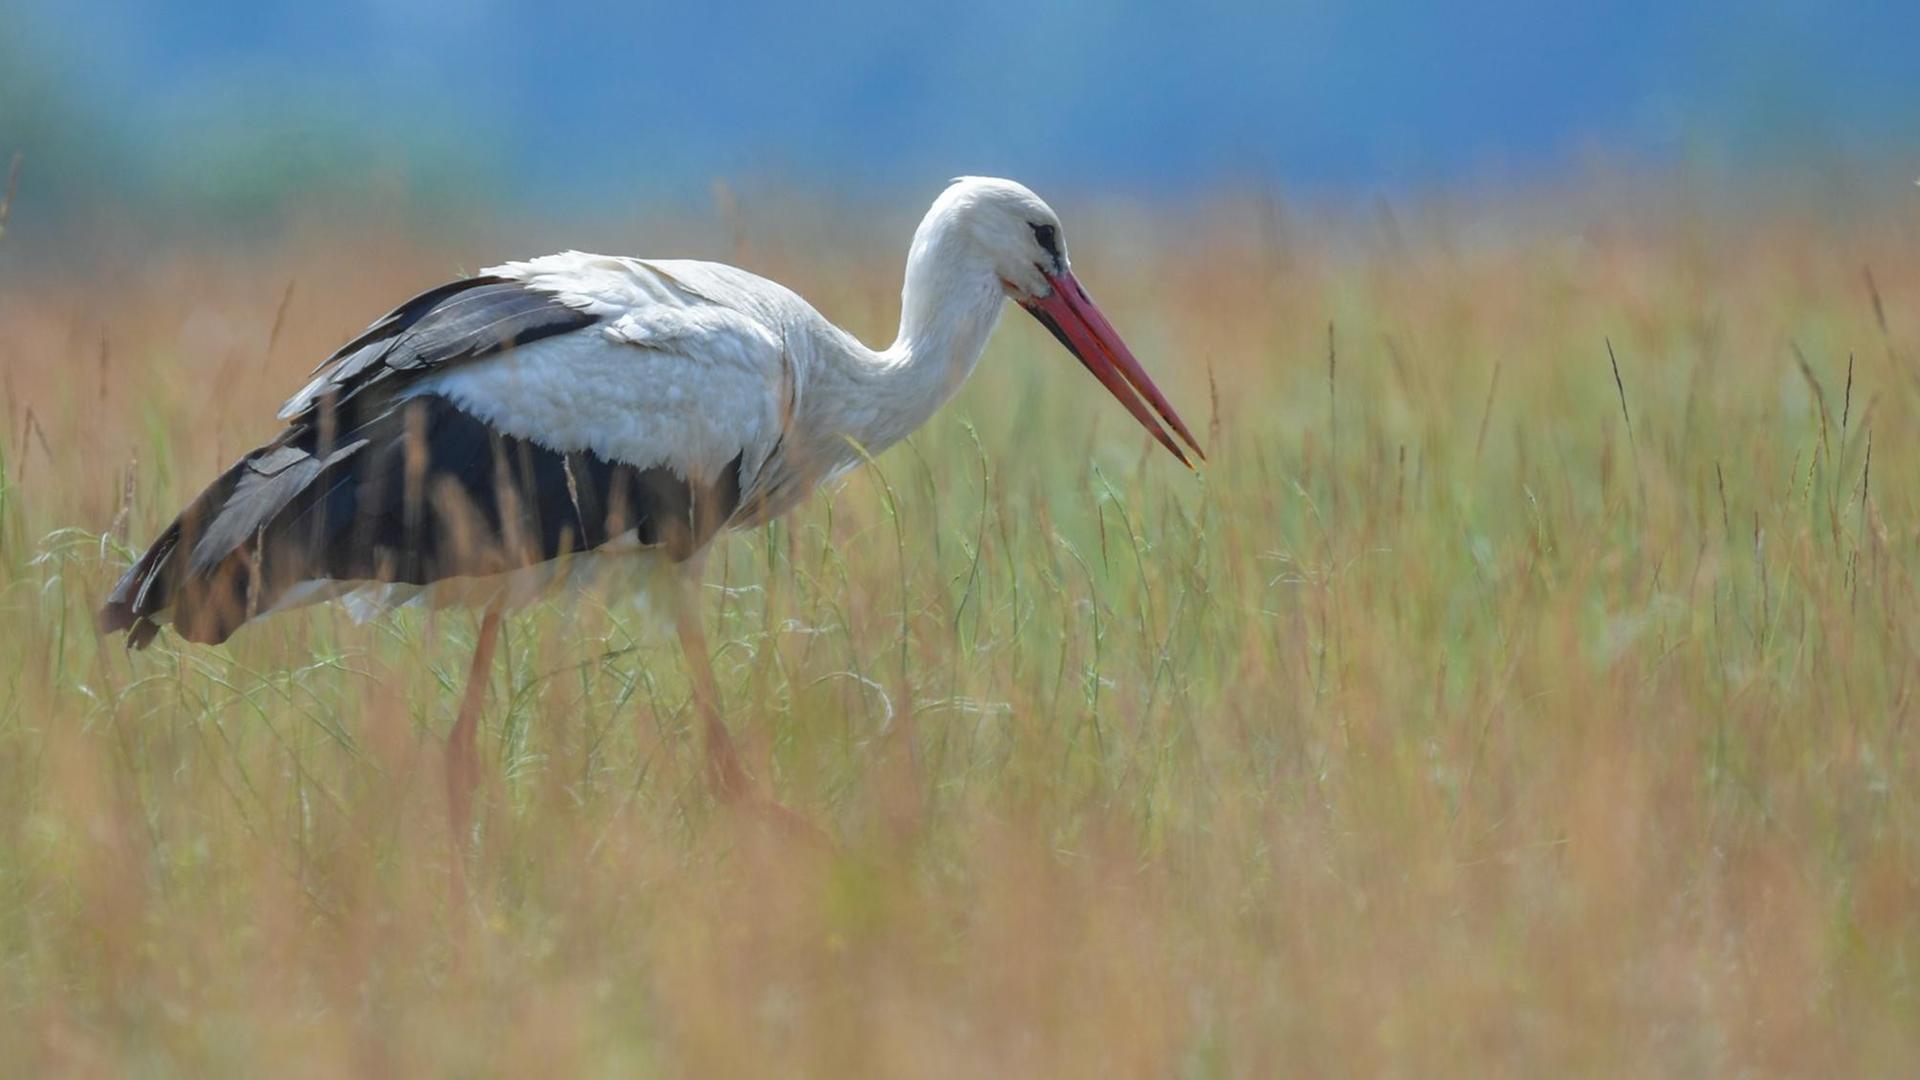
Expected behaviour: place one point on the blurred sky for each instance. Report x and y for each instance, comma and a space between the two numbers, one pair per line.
587, 102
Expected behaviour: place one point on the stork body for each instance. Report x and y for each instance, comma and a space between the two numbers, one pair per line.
581, 419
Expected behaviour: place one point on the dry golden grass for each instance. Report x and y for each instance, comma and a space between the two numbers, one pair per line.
1442, 726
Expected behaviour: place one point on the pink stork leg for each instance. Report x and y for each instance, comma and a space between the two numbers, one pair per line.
463, 757
725, 776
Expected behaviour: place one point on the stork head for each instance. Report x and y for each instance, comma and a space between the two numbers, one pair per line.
1020, 236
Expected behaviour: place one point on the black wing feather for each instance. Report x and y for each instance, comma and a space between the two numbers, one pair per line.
369, 485
463, 321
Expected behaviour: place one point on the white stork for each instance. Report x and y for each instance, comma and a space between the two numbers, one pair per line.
553, 420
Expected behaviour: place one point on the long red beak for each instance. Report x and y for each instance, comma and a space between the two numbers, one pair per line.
1073, 318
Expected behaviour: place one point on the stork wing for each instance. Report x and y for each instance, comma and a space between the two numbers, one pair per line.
480, 427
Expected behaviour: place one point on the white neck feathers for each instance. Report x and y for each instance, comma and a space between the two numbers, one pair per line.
949, 304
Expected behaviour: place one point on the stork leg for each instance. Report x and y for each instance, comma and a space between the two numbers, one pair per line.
726, 777
463, 757
724, 773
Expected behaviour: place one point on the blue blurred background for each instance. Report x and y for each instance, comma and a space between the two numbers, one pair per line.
243, 106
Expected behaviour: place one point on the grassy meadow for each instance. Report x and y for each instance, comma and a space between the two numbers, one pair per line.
1524, 688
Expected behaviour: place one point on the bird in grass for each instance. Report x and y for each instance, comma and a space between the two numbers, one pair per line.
580, 420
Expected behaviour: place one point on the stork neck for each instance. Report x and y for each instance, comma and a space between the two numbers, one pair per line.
949, 305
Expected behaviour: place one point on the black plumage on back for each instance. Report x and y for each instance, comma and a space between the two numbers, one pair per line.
369, 484
462, 321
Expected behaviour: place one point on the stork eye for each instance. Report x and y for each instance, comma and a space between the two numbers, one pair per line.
1049, 239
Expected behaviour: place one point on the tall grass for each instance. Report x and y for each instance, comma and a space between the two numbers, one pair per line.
1524, 687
